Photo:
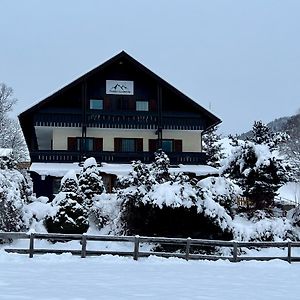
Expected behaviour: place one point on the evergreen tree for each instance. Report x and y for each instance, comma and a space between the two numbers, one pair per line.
11, 205
7, 162
15, 192
90, 181
212, 147
160, 167
258, 171
262, 135
71, 215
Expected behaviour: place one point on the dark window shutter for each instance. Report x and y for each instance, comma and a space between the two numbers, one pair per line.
152, 105
98, 144
118, 144
153, 145
131, 104
72, 144
178, 145
139, 145
106, 104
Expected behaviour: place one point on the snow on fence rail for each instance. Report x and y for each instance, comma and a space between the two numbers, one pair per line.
136, 252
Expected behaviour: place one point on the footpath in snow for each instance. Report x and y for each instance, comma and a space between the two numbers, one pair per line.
65, 277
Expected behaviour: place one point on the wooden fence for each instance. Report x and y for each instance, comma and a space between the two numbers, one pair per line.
187, 244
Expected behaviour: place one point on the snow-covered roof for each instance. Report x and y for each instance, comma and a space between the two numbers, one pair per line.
60, 169
54, 169
5, 152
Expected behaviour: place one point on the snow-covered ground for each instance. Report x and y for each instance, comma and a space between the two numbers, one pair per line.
65, 277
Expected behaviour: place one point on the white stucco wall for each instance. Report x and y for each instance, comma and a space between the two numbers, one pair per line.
191, 140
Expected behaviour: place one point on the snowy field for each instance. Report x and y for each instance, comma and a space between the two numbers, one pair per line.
65, 277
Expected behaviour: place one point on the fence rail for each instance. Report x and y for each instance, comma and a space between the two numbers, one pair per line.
136, 241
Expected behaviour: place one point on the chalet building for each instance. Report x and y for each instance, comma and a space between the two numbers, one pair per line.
118, 112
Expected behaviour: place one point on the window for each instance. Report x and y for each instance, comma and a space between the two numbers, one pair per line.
86, 144
167, 145
142, 105
128, 145
96, 104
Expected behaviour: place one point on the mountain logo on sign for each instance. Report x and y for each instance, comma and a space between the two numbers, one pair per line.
119, 88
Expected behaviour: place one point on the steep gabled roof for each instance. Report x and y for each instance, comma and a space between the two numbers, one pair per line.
122, 55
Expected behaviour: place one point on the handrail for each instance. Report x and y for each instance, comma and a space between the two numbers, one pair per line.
137, 240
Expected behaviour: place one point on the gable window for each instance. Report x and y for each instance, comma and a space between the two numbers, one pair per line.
96, 104
142, 105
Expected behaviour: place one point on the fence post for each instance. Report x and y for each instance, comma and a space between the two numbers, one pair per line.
31, 245
289, 252
235, 252
136, 247
83, 246
187, 249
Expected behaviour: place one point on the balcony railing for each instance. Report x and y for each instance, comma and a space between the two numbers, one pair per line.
119, 120
191, 158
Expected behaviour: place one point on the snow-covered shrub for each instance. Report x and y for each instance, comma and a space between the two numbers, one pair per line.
36, 212
155, 202
212, 146
90, 181
258, 171
91, 184
104, 214
71, 215
7, 162
263, 226
15, 193
222, 191
160, 167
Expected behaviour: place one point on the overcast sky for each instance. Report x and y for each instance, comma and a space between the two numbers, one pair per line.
240, 59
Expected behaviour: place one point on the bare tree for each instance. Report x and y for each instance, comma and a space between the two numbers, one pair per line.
7, 101
10, 132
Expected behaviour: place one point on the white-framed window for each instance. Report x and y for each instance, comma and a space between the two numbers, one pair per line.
96, 104
142, 105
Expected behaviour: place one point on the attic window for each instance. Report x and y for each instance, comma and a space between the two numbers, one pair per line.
142, 105
96, 104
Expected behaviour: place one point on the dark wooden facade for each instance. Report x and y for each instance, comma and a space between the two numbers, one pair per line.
168, 109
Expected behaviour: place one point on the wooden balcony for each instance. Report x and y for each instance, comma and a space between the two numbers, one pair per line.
48, 156
173, 121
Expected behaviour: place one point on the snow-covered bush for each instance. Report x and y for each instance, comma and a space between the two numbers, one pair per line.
36, 212
104, 214
91, 184
71, 215
258, 171
156, 202
15, 193
222, 191
90, 180
212, 146
264, 226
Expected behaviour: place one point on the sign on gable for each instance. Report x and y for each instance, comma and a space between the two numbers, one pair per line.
119, 87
